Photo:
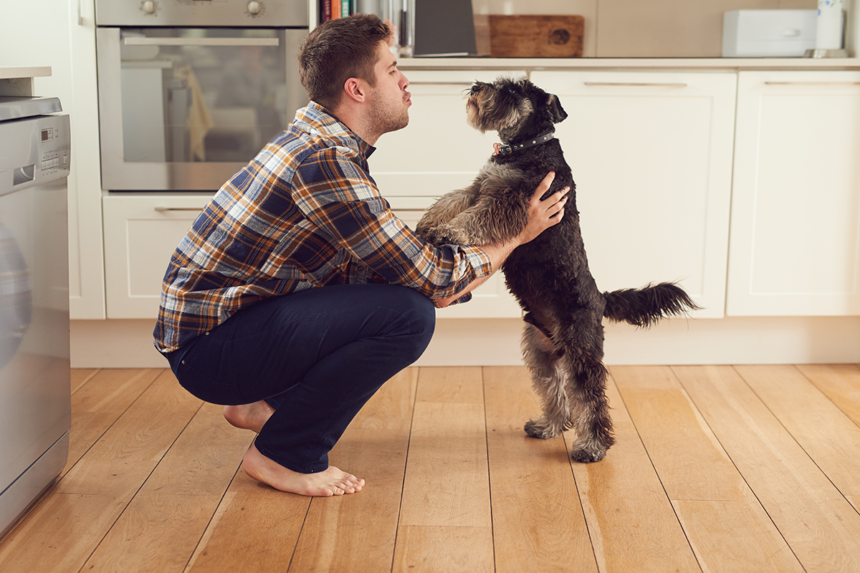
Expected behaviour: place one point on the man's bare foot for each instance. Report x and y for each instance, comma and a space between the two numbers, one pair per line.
326, 483
249, 416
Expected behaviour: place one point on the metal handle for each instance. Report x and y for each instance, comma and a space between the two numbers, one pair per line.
166, 209
812, 83
636, 84
229, 42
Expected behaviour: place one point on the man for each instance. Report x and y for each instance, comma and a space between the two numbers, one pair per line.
297, 293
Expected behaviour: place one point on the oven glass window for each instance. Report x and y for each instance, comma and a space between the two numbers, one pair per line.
201, 95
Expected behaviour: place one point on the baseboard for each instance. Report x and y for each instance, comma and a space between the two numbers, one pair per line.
496, 342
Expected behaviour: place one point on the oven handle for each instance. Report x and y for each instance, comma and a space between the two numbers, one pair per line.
171, 209
230, 42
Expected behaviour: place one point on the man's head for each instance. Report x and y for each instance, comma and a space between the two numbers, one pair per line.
338, 50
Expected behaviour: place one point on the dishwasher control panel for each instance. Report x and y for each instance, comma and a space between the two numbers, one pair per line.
33, 151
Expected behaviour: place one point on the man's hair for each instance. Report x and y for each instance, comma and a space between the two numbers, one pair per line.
338, 50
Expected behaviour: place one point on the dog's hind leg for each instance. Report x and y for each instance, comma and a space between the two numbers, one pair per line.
589, 407
549, 383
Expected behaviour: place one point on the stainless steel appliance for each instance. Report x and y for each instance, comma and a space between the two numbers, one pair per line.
190, 91
35, 396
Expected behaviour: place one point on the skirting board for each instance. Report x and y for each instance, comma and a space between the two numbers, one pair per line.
496, 342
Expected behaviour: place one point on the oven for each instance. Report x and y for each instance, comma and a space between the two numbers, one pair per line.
191, 90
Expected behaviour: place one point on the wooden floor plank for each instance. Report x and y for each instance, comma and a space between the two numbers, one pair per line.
61, 533
162, 525
827, 434
446, 487
819, 526
727, 527
100, 403
357, 532
80, 376
450, 549
537, 517
623, 499
256, 528
840, 383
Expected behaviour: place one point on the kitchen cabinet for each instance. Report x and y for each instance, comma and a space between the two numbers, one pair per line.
795, 238
651, 154
141, 233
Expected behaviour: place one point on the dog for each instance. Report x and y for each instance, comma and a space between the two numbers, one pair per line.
562, 343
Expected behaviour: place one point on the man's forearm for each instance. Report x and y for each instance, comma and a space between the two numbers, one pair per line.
498, 254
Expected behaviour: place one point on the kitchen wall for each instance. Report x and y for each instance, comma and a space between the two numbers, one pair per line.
643, 29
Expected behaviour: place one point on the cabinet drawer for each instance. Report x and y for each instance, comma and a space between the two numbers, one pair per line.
141, 233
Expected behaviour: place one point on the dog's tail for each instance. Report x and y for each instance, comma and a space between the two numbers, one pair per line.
644, 307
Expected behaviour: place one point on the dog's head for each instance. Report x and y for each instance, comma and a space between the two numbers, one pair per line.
514, 108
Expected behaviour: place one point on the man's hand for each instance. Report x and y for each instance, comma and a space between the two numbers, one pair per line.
542, 215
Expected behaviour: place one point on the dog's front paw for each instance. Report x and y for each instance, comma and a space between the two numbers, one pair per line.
540, 430
447, 235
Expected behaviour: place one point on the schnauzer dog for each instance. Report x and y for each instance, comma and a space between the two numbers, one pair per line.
563, 339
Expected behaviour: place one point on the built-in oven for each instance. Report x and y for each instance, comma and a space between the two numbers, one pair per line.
191, 90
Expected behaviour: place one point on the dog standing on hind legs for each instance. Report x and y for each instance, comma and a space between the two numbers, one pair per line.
564, 310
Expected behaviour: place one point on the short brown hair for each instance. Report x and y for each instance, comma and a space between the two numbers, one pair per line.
338, 50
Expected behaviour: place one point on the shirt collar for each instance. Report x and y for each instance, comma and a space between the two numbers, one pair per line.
318, 121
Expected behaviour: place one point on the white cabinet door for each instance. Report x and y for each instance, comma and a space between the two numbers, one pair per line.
490, 300
438, 151
141, 233
796, 202
651, 155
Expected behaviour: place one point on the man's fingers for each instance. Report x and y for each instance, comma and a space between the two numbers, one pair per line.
543, 186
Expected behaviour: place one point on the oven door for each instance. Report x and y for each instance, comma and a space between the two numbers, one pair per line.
183, 109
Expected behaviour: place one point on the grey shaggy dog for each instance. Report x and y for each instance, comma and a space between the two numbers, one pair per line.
563, 339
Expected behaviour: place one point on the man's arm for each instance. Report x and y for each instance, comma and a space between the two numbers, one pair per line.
542, 215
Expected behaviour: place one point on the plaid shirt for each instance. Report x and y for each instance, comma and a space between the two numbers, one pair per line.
303, 213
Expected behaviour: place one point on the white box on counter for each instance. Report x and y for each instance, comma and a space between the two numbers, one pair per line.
768, 33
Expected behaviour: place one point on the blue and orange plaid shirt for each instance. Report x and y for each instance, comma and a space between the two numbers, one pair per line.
303, 213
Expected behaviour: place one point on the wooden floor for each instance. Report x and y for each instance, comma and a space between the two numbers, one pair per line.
752, 468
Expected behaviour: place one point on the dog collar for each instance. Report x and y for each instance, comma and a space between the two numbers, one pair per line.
505, 149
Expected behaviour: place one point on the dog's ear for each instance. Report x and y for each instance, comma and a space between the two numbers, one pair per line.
556, 112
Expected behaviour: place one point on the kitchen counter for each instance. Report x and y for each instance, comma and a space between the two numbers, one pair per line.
19, 81
711, 64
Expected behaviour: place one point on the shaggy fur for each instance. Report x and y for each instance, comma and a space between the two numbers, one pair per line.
563, 339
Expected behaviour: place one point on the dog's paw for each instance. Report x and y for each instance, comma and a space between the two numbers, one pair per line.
447, 235
540, 430
587, 455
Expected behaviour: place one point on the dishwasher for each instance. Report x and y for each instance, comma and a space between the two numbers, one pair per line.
35, 393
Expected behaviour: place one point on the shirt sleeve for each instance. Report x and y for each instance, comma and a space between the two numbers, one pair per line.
334, 191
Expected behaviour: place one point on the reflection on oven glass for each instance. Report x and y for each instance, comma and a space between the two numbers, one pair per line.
202, 95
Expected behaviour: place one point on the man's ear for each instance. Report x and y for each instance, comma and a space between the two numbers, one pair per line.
556, 112
355, 89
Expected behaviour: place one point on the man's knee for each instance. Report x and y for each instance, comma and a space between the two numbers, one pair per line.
421, 315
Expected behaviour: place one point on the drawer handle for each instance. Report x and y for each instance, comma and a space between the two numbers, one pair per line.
812, 83
166, 209
636, 84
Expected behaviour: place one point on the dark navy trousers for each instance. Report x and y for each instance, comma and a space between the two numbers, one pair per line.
316, 356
